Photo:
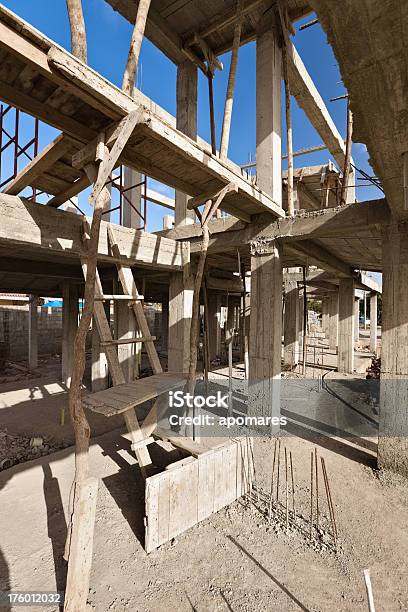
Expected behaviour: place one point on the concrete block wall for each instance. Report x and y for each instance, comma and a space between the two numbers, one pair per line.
14, 331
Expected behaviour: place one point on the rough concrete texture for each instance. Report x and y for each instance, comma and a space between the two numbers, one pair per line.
369, 41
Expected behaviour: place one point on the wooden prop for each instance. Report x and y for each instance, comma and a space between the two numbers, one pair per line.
229, 99
129, 76
77, 26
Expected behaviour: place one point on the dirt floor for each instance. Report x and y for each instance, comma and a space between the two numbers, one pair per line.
237, 559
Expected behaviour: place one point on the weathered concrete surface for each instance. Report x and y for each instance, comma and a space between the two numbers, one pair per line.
369, 41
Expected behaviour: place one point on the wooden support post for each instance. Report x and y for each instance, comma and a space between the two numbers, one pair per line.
81, 546
269, 111
291, 322
229, 99
186, 122
373, 322
210, 77
265, 343
393, 430
78, 417
129, 76
289, 136
77, 26
69, 328
33, 333
345, 360
347, 161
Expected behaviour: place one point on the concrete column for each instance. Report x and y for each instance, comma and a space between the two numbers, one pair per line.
325, 316
130, 218
393, 431
69, 327
373, 322
186, 122
125, 328
99, 363
265, 342
269, 111
333, 321
33, 333
357, 319
345, 358
301, 322
214, 319
291, 324
181, 290
165, 323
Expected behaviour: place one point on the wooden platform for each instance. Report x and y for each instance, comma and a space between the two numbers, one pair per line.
120, 398
44, 80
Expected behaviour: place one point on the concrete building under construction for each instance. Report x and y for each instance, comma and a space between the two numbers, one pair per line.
259, 285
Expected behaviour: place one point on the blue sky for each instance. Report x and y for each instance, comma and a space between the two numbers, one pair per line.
108, 43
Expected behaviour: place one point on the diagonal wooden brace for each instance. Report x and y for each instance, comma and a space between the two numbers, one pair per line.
216, 203
197, 201
126, 127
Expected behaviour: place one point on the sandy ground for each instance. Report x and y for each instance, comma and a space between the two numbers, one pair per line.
235, 560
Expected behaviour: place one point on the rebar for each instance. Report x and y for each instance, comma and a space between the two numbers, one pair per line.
311, 494
273, 472
286, 492
293, 486
317, 490
329, 502
277, 483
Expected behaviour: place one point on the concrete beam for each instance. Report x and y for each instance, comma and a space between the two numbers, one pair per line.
49, 232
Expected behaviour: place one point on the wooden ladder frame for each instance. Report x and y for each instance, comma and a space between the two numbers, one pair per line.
140, 435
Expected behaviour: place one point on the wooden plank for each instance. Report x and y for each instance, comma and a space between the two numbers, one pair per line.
81, 546
205, 491
182, 442
183, 498
133, 393
220, 480
39, 164
163, 508
76, 188
152, 493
